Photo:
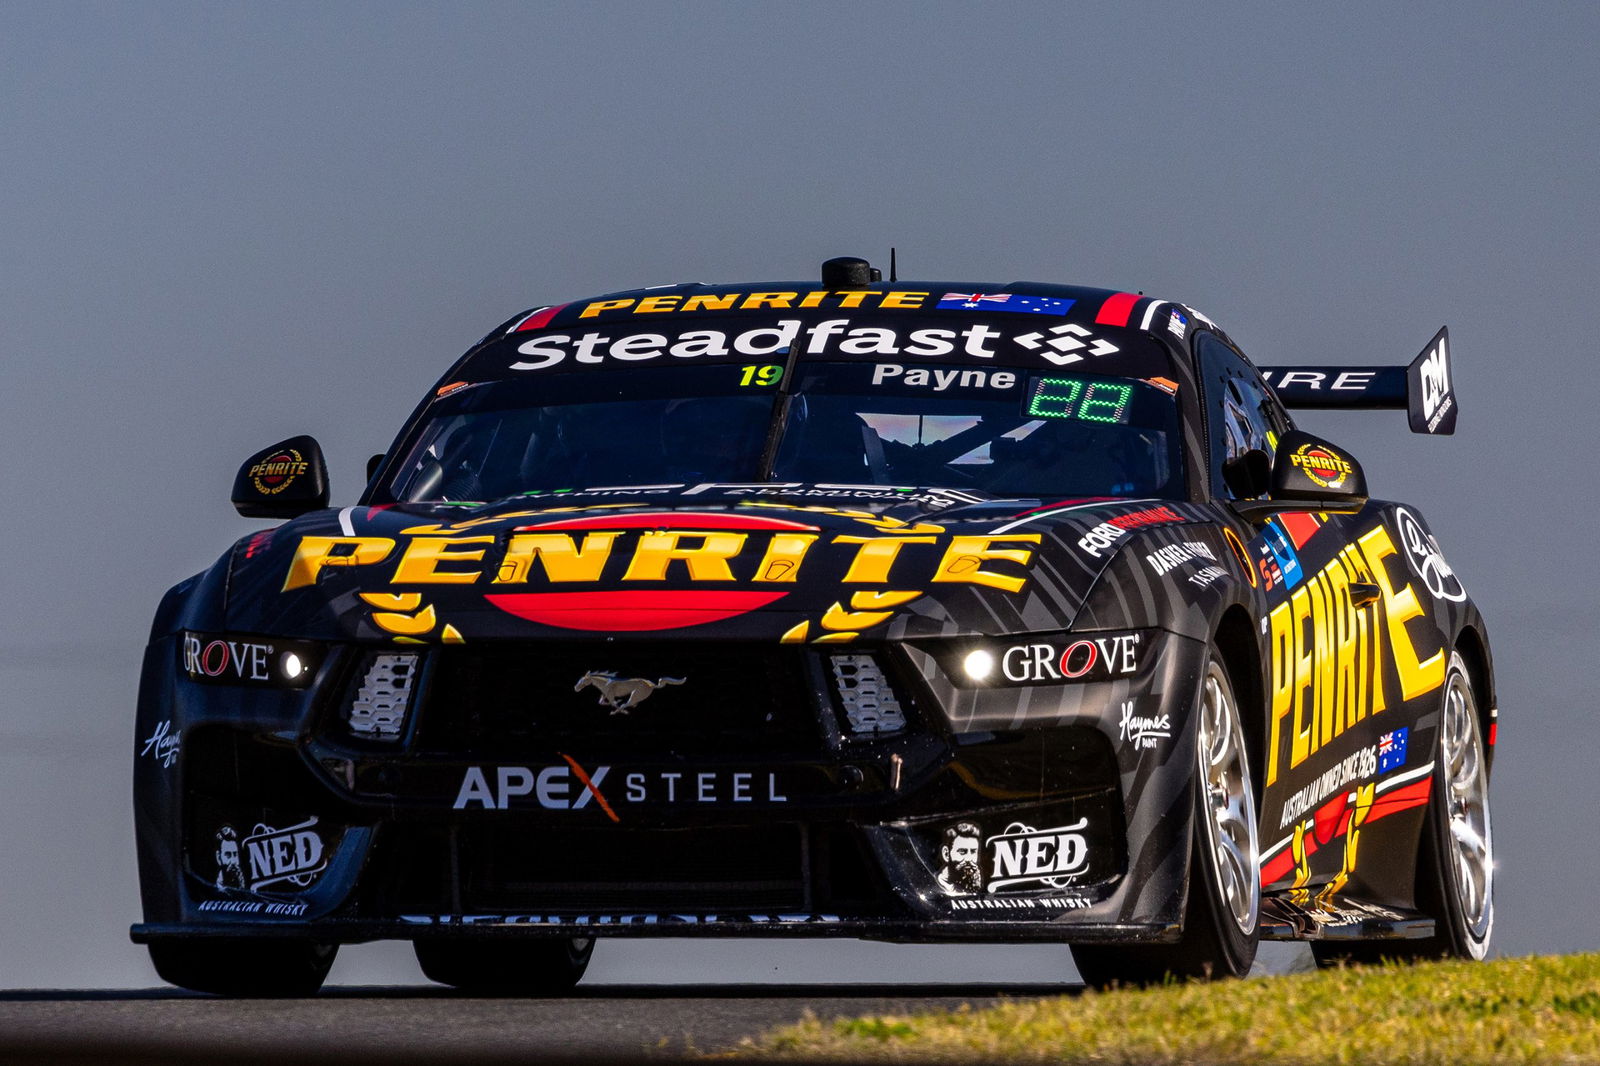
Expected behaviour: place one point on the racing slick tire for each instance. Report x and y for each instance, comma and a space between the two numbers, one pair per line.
241, 966
1222, 914
1455, 868
538, 967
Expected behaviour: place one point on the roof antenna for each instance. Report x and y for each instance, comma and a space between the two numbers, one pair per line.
892, 274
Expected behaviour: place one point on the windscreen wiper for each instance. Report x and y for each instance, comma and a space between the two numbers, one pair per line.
780, 415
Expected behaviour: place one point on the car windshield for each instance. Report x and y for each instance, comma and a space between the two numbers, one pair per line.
1001, 431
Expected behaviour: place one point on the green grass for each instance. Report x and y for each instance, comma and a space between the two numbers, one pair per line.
1524, 1010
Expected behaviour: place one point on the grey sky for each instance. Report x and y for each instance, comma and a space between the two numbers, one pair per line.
224, 224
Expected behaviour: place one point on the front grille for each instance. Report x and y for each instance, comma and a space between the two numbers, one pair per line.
523, 870
378, 708
868, 698
635, 698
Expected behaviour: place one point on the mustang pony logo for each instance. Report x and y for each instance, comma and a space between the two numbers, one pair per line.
625, 694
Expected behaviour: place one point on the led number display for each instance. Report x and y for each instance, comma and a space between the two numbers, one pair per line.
1087, 399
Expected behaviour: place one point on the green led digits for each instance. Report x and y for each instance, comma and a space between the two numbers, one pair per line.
1106, 402
1086, 399
1055, 398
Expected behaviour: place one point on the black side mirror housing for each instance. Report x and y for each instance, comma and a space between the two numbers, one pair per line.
1248, 475
1309, 468
372, 466
283, 481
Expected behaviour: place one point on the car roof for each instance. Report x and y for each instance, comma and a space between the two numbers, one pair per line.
1107, 307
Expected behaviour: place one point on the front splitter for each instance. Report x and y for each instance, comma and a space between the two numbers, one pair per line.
352, 931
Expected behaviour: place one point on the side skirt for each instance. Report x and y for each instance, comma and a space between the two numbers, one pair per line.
1339, 919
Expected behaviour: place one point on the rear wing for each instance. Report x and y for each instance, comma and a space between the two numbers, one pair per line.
1423, 388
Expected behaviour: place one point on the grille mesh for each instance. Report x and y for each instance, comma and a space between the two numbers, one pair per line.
379, 707
870, 703
640, 698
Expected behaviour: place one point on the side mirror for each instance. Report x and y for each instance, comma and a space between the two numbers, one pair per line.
372, 466
283, 481
1249, 475
1309, 468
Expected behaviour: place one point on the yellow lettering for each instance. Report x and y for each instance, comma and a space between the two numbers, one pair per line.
420, 563
597, 308
906, 300
708, 561
1330, 676
851, 297
757, 300
965, 555
1370, 637
812, 299
1346, 651
1322, 650
875, 556
563, 560
314, 553
1300, 613
1282, 680
1416, 675
785, 552
651, 305
711, 302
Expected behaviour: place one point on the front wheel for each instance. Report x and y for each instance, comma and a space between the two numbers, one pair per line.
533, 967
1221, 923
1455, 869
242, 966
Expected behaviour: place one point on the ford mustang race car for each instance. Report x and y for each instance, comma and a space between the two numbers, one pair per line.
913, 612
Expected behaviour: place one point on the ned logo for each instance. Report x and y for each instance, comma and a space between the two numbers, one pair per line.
1023, 855
294, 855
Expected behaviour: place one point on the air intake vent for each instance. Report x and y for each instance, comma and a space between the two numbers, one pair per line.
870, 705
379, 708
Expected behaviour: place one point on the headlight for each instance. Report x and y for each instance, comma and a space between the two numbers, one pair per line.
978, 665
1044, 659
234, 659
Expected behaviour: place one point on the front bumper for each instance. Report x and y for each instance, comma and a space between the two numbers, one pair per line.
1081, 833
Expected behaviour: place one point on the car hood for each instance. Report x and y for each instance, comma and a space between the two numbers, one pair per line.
805, 564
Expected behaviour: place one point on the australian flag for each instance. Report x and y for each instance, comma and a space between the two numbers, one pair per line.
1392, 750
1003, 301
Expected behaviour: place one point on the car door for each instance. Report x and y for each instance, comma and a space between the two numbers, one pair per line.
1318, 666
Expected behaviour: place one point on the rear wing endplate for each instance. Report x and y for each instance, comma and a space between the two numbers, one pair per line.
1423, 388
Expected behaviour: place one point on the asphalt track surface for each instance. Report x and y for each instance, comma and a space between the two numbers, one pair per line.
366, 1026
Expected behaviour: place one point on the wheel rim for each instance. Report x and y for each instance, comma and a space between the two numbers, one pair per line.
1231, 831
1471, 843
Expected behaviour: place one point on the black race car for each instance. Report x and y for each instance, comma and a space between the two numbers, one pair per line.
914, 612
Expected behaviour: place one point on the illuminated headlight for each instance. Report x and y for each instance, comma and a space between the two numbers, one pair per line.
869, 700
233, 659
978, 665
378, 709
1047, 659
